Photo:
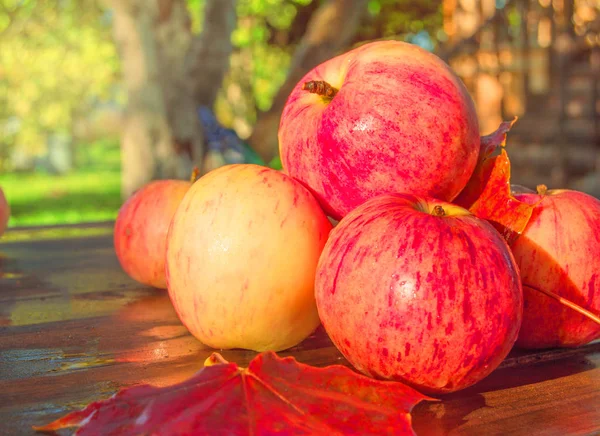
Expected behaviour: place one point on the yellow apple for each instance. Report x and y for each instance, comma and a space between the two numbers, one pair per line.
242, 252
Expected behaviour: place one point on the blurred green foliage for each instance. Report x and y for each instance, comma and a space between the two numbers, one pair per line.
406, 20
57, 61
268, 32
58, 65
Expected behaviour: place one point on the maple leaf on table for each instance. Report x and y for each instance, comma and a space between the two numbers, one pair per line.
273, 395
488, 193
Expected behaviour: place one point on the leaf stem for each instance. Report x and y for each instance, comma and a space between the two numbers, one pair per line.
215, 359
568, 303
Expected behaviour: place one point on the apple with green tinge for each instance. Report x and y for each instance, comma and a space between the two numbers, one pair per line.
242, 253
559, 252
4, 212
140, 235
386, 117
419, 291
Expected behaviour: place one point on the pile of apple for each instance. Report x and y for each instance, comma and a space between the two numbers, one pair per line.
408, 285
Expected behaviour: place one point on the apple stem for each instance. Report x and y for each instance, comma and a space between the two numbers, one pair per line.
568, 303
320, 87
541, 189
438, 211
195, 174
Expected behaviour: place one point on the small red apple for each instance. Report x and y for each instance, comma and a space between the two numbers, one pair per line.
559, 251
140, 235
4, 212
420, 291
386, 117
242, 253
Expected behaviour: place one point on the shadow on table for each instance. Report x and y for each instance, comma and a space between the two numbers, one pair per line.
451, 413
431, 419
506, 378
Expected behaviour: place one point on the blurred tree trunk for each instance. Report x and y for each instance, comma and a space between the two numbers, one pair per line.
330, 31
210, 52
162, 61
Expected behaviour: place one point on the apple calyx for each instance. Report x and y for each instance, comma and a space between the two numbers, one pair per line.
444, 210
438, 210
320, 87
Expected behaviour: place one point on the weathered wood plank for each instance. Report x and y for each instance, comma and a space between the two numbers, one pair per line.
74, 328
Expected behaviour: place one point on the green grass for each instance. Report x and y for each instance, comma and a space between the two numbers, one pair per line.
92, 192
89, 193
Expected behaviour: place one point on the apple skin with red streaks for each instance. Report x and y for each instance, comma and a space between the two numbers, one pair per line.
401, 121
4, 212
408, 294
559, 251
242, 253
140, 235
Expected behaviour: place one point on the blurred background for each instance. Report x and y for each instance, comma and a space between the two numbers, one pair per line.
97, 97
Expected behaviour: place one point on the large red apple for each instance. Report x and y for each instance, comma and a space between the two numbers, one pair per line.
140, 235
386, 117
4, 212
241, 258
420, 291
559, 251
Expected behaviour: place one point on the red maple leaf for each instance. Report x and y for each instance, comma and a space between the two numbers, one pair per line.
273, 395
489, 144
488, 193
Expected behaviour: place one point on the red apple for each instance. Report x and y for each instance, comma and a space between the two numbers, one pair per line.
420, 291
386, 117
140, 236
559, 251
241, 259
4, 212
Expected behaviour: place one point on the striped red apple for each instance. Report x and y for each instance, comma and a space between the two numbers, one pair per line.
559, 252
421, 291
383, 118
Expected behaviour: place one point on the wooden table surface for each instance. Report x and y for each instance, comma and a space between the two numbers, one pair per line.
74, 328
